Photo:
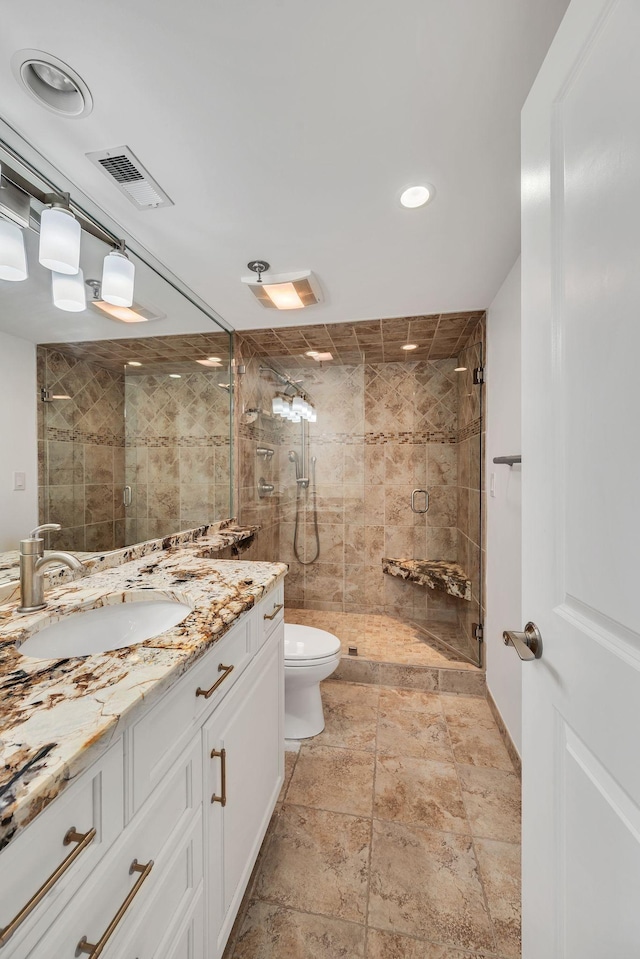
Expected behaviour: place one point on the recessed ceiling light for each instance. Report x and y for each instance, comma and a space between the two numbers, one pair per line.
415, 196
409, 346
311, 353
323, 357
52, 83
459, 369
134, 363
211, 361
175, 376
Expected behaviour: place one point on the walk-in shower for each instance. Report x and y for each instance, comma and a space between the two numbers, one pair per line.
401, 585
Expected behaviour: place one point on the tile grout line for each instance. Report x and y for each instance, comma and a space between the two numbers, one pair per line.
373, 800
473, 848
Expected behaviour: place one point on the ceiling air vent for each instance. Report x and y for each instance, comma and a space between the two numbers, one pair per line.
121, 165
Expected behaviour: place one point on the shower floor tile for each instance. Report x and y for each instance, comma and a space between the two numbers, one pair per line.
383, 639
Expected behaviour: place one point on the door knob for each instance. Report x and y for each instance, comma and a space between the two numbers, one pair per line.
528, 645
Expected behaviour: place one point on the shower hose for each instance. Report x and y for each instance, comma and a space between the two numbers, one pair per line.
307, 562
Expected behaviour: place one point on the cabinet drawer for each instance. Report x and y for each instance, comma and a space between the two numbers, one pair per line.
189, 940
158, 738
117, 890
178, 882
271, 613
94, 803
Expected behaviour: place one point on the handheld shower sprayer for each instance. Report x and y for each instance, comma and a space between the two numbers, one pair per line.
300, 479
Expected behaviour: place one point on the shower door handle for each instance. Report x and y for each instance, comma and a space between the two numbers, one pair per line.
127, 496
413, 501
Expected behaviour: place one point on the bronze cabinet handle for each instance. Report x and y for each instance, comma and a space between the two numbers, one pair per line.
208, 692
222, 754
96, 949
83, 839
276, 610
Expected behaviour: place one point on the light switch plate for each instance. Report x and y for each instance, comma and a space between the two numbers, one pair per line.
19, 481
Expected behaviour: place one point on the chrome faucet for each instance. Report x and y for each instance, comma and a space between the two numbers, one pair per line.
32, 565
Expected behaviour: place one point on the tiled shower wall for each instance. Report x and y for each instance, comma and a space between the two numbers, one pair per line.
471, 500
81, 452
177, 452
256, 430
383, 429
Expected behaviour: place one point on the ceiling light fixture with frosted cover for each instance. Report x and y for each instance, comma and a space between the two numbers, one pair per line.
118, 276
60, 235
282, 291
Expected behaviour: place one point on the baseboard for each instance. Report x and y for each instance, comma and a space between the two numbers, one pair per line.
504, 732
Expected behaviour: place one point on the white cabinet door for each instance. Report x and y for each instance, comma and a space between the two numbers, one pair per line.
580, 483
243, 778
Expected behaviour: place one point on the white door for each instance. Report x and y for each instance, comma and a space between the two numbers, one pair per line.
581, 488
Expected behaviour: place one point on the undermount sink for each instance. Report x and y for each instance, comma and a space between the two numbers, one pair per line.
91, 631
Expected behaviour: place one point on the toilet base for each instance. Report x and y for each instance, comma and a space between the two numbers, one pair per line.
304, 716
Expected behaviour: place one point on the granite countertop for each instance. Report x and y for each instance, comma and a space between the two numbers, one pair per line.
218, 536
58, 716
436, 574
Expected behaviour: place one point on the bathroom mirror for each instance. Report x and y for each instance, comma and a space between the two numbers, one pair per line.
133, 422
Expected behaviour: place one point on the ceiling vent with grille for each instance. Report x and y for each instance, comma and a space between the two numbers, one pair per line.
122, 166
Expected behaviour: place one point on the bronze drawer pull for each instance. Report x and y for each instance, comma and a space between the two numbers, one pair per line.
208, 692
222, 754
83, 839
96, 949
276, 610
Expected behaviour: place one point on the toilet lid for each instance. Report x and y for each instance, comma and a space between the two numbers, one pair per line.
307, 642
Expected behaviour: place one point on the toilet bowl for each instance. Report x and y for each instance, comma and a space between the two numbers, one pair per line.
310, 655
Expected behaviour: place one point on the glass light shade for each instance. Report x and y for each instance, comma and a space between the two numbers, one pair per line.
297, 405
277, 406
13, 259
59, 241
69, 292
314, 416
118, 274
284, 296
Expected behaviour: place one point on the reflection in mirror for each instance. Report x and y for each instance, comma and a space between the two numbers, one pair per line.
133, 438
116, 425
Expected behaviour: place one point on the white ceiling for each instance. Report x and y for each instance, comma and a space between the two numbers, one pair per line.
286, 130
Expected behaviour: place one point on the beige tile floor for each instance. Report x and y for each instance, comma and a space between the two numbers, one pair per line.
396, 836
383, 639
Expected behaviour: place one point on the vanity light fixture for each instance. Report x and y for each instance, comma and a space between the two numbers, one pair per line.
60, 235
282, 291
416, 196
118, 274
69, 292
13, 257
15, 210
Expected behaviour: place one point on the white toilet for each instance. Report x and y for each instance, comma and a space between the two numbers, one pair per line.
310, 655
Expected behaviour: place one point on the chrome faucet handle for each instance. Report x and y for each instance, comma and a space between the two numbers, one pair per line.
45, 528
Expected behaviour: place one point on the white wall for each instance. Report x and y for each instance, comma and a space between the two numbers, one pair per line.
504, 510
18, 439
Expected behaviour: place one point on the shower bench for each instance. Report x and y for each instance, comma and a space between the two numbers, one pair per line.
436, 574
